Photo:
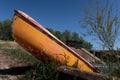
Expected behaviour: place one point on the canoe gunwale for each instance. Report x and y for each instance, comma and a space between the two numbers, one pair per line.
36, 25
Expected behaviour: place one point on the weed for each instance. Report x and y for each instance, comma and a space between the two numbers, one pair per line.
21, 55
47, 71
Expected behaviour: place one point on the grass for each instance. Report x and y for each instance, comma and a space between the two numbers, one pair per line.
21, 55
15, 51
3, 76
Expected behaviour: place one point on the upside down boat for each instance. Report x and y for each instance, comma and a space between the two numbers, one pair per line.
42, 44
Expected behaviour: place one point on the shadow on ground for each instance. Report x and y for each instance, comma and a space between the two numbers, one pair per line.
15, 70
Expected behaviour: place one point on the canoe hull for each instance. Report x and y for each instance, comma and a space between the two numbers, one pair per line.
42, 46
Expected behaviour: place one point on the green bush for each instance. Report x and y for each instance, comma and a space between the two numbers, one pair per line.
47, 71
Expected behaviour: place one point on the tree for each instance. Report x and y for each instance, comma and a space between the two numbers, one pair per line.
75, 36
5, 30
0, 29
86, 45
58, 34
104, 23
49, 29
67, 35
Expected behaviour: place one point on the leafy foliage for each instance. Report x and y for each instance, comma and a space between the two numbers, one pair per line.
5, 30
75, 37
67, 35
47, 71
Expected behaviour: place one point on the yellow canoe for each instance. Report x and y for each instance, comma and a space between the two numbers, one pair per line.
42, 44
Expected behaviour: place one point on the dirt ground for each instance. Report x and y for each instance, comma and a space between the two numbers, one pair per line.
12, 68
8, 68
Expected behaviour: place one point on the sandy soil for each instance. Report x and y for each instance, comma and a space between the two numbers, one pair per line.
6, 62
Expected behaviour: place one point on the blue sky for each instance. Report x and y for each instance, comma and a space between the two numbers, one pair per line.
56, 14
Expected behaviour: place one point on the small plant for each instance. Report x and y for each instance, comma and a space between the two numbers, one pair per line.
75, 65
116, 73
111, 66
47, 71
21, 55
43, 71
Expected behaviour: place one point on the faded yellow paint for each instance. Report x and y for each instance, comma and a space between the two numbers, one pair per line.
43, 47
